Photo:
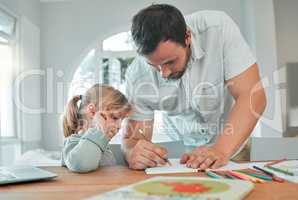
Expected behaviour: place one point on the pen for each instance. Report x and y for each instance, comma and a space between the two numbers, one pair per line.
144, 137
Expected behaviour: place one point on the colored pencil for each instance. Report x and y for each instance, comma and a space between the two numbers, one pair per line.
280, 170
263, 170
222, 173
213, 175
247, 177
266, 178
229, 176
239, 176
275, 162
254, 179
274, 177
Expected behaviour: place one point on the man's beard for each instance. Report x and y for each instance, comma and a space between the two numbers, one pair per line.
179, 74
176, 76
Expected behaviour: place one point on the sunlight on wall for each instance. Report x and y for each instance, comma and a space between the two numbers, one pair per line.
5, 89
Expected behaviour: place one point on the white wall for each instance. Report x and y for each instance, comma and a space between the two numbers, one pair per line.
28, 8
261, 16
286, 16
69, 28
30, 94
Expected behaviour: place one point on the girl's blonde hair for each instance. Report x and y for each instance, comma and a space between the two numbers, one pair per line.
104, 97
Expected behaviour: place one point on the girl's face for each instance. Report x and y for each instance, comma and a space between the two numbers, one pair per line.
110, 121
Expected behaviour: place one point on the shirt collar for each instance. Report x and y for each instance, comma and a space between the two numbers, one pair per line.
196, 50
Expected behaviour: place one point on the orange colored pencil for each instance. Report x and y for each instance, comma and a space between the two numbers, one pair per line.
275, 162
246, 177
255, 179
237, 175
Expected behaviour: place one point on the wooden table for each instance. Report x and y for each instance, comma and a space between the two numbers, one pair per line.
73, 186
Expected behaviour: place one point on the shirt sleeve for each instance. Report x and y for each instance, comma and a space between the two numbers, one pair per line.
135, 95
84, 154
236, 54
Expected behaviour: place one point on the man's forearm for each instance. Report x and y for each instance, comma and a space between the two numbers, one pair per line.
242, 120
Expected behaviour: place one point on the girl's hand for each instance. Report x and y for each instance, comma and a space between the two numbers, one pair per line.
111, 133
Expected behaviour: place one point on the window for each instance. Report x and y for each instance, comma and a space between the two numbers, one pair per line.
3, 41
106, 63
7, 57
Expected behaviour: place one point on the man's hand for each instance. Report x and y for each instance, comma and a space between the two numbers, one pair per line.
204, 157
145, 154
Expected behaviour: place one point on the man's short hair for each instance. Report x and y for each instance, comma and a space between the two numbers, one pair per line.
156, 23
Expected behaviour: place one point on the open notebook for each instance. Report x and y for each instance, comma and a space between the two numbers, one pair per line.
176, 167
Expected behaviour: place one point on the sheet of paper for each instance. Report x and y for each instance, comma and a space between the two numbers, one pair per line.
289, 165
231, 166
181, 168
176, 167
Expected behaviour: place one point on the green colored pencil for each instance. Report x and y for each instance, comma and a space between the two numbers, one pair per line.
280, 170
266, 178
229, 176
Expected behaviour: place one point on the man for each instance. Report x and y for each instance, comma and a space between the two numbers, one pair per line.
182, 69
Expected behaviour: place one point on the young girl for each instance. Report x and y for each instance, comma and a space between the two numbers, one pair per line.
89, 123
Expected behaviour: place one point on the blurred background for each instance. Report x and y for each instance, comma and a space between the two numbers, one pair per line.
53, 49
